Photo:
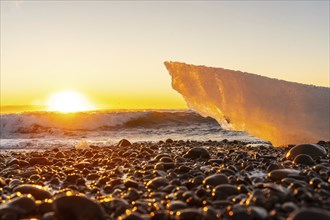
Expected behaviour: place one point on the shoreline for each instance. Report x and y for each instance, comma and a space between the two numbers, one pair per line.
167, 180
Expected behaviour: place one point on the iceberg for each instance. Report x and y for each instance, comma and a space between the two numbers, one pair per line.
275, 110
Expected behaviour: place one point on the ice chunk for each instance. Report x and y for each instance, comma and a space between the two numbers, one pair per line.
276, 110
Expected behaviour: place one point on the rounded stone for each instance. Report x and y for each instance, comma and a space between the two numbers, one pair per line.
75, 206
20, 205
124, 143
133, 216
224, 190
303, 159
133, 194
309, 213
36, 191
189, 213
279, 174
166, 160
313, 150
48, 216
131, 183
38, 161
176, 205
157, 182
59, 154
215, 179
197, 152
2, 182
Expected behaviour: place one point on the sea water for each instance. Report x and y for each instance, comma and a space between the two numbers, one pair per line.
45, 130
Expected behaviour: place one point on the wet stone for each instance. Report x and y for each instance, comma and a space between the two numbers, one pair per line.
224, 190
303, 159
258, 213
313, 150
176, 205
38, 161
59, 154
13, 161
279, 174
36, 191
164, 166
133, 216
125, 183
2, 182
124, 143
74, 206
215, 179
21, 205
197, 152
309, 214
49, 216
166, 160
157, 182
239, 212
189, 213
133, 194
288, 206
131, 183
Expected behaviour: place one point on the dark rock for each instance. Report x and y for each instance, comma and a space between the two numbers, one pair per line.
49, 216
166, 160
133, 194
313, 150
131, 183
258, 213
215, 179
184, 169
59, 154
224, 190
189, 213
116, 206
133, 216
288, 206
38, 161
2, 182
169, 141
36, 191
239, 212
13, 161
164, 166
157, 182
93, 176
74, 206
303, 159
176, 205
309, 213
197, 152
20, 205
279, 174
124, 143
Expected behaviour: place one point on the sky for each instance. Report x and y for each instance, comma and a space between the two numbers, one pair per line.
112, 52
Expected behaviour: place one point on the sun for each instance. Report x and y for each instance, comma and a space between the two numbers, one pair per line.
68, 101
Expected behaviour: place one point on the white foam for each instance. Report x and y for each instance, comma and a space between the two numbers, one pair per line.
278, 111
53, 122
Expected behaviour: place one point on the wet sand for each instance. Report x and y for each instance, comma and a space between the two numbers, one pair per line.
168, 180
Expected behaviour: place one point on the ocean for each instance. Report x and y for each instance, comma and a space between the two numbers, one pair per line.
46, 130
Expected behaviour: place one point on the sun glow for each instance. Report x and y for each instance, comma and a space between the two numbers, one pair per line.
68, 101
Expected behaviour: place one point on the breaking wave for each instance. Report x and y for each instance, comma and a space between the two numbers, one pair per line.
53, 122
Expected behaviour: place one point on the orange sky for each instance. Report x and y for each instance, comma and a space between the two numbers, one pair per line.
113, 52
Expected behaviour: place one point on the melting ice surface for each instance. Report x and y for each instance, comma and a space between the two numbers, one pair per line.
275, 110
44, 130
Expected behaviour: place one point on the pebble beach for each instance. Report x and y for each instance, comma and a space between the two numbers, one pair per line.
168, 180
